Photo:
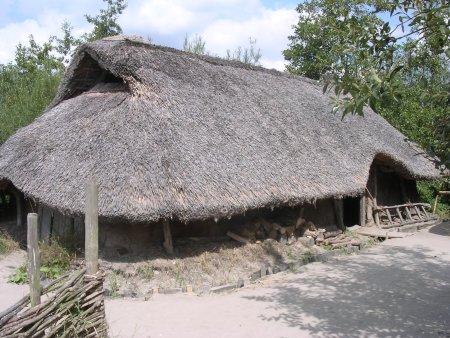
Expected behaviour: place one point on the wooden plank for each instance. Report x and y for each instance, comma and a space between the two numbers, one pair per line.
168, 244
91, 231
46, 225
33, 259
376, 232
237, 237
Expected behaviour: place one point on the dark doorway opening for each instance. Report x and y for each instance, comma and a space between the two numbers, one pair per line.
351, 211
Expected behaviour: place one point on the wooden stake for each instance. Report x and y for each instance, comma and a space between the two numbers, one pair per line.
34, 263
168, 245
91, 230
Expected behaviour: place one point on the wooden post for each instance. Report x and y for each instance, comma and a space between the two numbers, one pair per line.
168, 245
403, 189
33, 259
338, 212
375, 193
362, 210
19, 207
91, 231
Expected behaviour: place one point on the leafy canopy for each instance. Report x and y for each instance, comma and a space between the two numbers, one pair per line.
381, 53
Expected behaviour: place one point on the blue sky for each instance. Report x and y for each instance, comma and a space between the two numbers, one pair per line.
224, 24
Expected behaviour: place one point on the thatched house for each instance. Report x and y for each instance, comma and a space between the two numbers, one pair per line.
174, 136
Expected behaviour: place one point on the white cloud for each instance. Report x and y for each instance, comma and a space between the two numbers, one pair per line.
270, 28
164, 17
223, 24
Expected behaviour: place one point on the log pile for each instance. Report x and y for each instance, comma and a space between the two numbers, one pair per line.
74, 308
262, 229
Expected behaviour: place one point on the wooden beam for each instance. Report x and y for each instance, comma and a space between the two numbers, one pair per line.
91, 231
34, 262
168, 244
375, 193
362, 210
403, 189
339, 212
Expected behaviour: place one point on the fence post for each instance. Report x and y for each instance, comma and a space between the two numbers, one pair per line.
34, 260
91, 228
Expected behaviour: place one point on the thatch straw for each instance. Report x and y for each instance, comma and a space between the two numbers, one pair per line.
172, 134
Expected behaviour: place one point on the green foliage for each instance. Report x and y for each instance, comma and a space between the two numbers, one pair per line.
105, 23
29, 83
321, 41
195, 45
20, 277
352, 47
55, 260
114, 284
145, 272
248, 55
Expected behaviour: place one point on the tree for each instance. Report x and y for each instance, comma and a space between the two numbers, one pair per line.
29, 82
319, 45
352, 48
105, 23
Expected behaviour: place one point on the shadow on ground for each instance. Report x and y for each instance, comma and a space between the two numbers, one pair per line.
398, 293
442, 229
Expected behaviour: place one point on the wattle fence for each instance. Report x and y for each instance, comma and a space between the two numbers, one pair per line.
70, 306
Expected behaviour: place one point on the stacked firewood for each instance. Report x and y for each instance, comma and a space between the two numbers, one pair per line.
262, 229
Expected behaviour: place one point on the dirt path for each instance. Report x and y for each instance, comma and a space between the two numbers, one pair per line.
11, 293
400, 288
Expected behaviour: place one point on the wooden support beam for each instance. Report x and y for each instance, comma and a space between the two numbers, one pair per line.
19, 207
339, 212
46, 225
362, 210
375, 193
404, 193
91, 231
34, 261
168, 244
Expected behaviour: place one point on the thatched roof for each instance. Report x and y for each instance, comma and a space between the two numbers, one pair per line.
172, 134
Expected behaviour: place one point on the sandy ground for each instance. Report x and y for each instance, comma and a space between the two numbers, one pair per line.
400, 288
11, 293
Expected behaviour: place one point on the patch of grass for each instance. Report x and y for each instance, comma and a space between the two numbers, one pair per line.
145, 272
7, 244
55, 260
114, 285
20, 277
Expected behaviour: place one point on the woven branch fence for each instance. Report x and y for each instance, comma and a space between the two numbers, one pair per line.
72, 307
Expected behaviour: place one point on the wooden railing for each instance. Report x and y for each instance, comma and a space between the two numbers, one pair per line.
403, 214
